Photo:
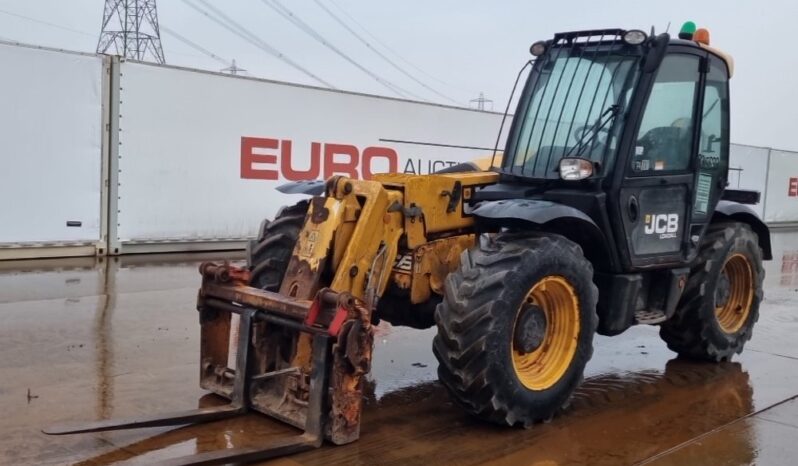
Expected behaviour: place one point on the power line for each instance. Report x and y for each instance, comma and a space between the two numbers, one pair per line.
296, 21
241, 31
293, 19
391, 62
94, 35
234, 27
397, 54
194, 45
28, 18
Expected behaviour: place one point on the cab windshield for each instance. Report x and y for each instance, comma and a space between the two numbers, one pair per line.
575, 96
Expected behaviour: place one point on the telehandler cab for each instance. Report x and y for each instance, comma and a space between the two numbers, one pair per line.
609, 208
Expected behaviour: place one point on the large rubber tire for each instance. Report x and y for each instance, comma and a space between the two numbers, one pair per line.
268, 255
477, 318
695, 331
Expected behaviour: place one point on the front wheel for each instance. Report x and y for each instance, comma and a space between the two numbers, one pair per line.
516, 326
269, 254
720, 304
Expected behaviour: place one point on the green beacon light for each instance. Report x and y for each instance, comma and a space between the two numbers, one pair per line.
688, 29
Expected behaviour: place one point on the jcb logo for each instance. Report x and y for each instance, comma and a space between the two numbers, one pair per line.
664, 225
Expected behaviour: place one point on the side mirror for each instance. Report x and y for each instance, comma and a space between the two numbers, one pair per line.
711, 141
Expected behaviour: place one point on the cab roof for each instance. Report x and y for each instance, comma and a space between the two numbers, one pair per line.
587, 36
727, 58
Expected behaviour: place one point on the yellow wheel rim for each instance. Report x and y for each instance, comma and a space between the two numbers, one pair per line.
546, 364
732, 312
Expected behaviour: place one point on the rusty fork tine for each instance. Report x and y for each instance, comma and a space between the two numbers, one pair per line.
310, 439
192, 416
239, 404
246, 455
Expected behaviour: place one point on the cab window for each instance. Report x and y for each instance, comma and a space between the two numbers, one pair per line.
713, 147
665, 138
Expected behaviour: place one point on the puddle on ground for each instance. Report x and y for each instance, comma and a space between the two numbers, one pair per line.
92, 339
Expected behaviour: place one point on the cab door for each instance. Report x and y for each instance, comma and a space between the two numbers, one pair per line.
712, 152
656, 195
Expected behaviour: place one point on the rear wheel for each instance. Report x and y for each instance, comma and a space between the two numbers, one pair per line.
720, 303
515, 328
268, 255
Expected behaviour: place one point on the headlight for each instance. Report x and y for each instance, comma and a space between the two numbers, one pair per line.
573, 168
635, 37
538, 48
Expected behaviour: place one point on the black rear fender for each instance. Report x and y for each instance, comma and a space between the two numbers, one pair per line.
733, 211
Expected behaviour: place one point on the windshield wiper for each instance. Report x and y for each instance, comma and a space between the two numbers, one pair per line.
711, 107
606, 117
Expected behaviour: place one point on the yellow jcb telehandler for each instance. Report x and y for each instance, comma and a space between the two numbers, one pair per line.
608, 209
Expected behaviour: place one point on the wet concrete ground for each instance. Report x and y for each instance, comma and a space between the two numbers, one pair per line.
93, 339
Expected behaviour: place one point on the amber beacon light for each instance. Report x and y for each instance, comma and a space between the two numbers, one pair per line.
701, 36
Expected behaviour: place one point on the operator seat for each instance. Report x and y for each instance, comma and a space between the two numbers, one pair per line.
667, 147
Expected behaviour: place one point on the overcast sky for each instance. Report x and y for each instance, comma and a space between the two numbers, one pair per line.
460, 47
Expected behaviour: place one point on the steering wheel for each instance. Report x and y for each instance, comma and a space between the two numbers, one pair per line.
580, 132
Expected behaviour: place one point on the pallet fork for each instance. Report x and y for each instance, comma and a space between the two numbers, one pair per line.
317, 388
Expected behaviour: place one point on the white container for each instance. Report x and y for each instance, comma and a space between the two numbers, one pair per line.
200, 153
51, 142
748, 169
781, 200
